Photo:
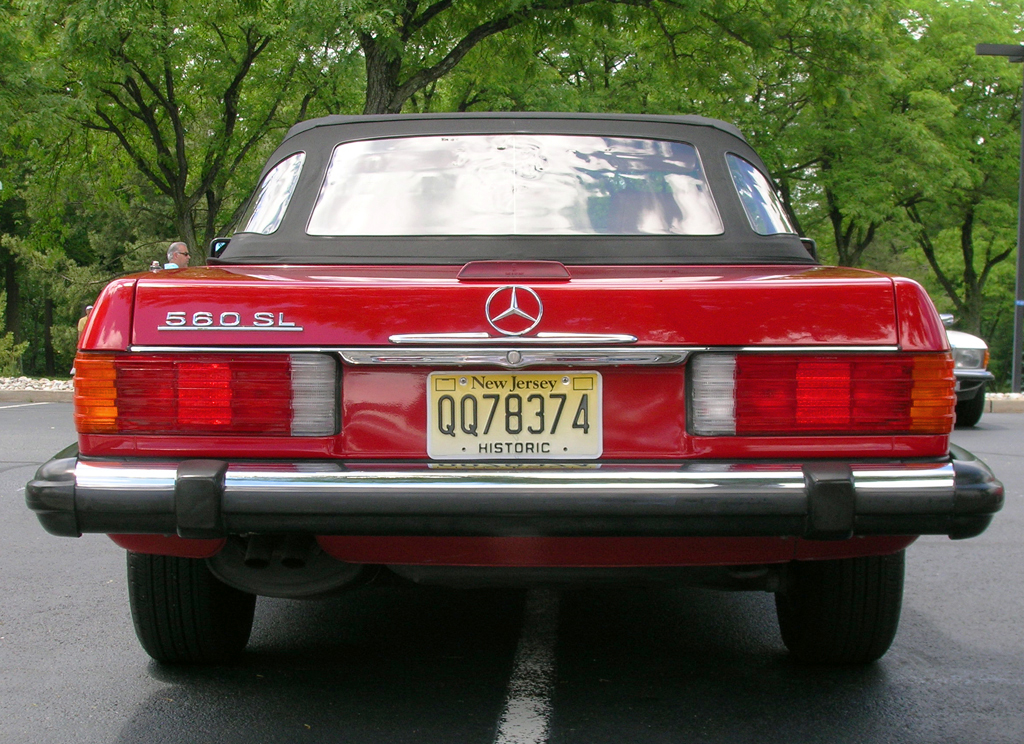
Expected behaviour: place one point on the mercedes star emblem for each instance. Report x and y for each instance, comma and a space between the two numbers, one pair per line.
514, 310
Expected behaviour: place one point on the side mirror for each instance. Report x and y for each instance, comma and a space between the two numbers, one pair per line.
217, 246
948, 319
811, 247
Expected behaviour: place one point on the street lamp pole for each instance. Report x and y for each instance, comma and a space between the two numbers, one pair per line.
1015, 53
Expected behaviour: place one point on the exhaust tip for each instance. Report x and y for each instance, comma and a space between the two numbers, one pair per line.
258, 551
296, 551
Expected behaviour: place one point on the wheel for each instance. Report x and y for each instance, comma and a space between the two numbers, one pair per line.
968, 412
183, 614
843, 611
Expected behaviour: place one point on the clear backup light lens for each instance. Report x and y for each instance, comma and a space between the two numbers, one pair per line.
314, 387
714, 394
969, 358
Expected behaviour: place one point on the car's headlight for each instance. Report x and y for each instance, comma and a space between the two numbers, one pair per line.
969, 358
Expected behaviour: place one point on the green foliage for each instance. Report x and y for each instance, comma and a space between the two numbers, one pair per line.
66, 287
177, 97
10, 355
963, 212
10, 352
126, 124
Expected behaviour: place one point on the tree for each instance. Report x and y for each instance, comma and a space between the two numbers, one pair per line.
14, 86
125, 124
188, 91
964, 221
409, 45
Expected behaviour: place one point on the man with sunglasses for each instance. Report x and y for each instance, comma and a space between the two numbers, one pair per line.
177, 256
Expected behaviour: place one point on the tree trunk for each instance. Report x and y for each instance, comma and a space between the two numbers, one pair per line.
970, 302
12, 315
51, 363
973, 298
186, 227
382, 69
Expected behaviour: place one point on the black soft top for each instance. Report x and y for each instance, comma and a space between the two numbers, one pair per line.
317, 138
697, 121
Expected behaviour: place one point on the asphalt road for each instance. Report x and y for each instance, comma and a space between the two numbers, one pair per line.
432, 665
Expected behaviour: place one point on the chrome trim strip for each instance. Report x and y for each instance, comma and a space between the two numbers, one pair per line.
475, 492
510, 344
234, 349
803, 349
512, 358
540, 338
228, 328
973, 374
512, 355
250, 487
878, 479
105, 476
508, 357
934, 488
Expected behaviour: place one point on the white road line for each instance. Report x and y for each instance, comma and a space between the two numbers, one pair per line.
527, 711
26, 405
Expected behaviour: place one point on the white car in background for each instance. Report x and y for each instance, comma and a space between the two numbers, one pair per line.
970, 360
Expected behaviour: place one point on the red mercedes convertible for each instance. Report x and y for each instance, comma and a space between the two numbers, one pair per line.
514, 349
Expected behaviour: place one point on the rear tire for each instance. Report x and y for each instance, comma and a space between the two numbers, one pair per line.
968, 412
843, 611
183, 614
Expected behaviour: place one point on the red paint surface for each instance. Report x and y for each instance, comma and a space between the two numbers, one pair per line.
920, 327
736, 305
300, 448
816, 550
550, 551
110, 321
518, 271
384, 412
179, 547
598, 551
738, 448
384, 408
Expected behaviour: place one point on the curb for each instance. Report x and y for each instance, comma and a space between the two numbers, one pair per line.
36, 396
1004, 406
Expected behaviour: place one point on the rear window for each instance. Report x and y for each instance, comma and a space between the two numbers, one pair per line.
266, 210
764, 209
478, 185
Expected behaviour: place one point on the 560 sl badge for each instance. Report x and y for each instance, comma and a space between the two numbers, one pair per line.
180, 320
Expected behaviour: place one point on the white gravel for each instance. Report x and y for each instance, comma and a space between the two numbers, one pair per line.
32, 383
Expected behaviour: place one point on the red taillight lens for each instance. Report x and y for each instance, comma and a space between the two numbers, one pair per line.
271, 394
778, 394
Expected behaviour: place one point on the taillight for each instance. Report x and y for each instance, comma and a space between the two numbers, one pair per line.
270, 394
779, 394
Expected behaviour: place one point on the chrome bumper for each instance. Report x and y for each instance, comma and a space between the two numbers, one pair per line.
970, 381
815, 499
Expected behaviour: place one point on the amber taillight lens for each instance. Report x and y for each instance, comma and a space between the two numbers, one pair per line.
778, 394
268, 394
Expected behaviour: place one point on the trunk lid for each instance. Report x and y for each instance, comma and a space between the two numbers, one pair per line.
366, 306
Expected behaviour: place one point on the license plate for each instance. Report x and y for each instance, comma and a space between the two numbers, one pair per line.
514, 416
